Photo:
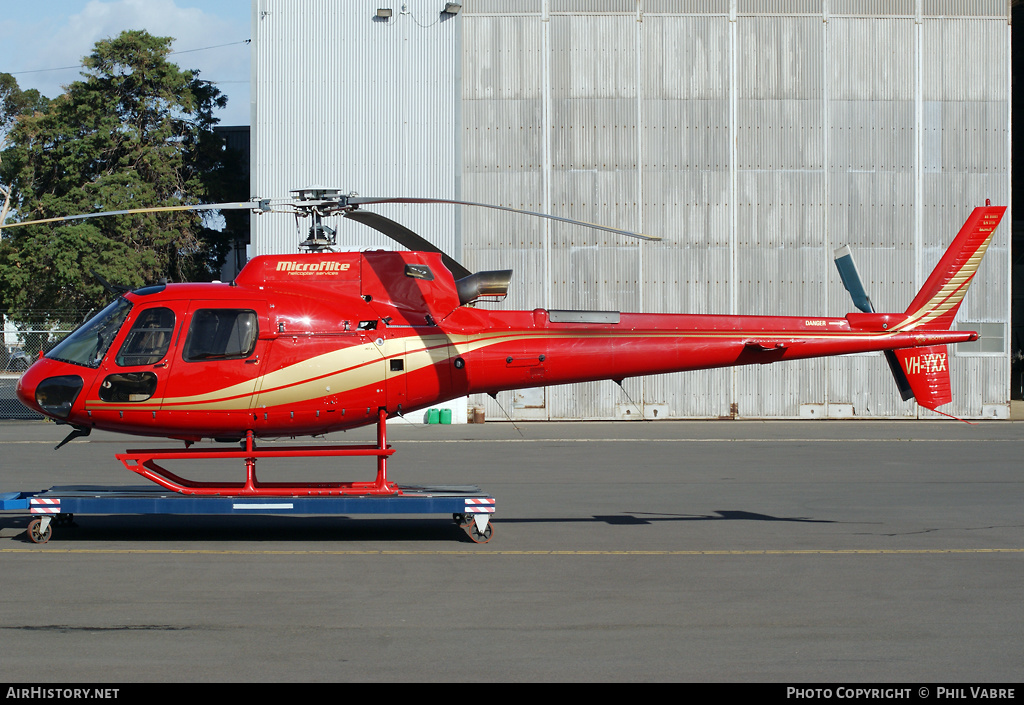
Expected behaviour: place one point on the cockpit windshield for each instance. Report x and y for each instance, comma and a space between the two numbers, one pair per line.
88, 344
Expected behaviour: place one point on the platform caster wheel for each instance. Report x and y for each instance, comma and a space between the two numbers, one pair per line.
37, 536
463, 520
476, 536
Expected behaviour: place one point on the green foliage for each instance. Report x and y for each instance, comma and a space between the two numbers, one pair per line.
136, 132
15, 102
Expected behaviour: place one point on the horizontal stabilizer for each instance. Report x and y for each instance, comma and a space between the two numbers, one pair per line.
758, 346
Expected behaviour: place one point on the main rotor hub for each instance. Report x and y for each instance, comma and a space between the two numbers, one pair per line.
319, 193
317, 202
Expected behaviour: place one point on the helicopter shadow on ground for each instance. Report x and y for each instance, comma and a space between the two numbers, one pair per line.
161, 527
647, 518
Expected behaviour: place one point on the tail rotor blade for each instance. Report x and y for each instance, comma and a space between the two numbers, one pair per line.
902, 383
851, 279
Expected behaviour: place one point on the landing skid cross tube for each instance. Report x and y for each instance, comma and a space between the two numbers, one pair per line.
143, 462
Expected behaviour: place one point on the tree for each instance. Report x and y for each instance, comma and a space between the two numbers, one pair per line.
137, 131
15, 102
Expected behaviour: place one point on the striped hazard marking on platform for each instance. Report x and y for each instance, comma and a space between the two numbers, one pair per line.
37, 505
480, 505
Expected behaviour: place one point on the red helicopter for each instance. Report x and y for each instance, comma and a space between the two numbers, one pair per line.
307, 344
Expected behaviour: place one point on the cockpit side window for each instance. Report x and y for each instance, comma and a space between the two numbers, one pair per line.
148, 340
88, 344
221, 334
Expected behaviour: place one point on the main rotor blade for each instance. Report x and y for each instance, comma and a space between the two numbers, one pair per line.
406, 238
360, 200
159, 209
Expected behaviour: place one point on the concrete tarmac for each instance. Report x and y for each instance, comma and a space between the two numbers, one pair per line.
826, 551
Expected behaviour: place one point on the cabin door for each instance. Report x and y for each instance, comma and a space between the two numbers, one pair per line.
219, 358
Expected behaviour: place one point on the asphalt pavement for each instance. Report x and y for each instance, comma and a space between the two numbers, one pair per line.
734, 551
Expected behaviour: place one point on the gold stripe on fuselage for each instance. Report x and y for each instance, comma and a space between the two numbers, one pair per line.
346, 369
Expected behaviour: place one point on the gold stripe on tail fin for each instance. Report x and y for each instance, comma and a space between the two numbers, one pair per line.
937, 302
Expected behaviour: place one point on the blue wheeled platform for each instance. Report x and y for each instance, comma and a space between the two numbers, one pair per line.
470, 506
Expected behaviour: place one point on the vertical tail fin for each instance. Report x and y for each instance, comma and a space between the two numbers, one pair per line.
937, 302
923, 372
926, 369
935, 306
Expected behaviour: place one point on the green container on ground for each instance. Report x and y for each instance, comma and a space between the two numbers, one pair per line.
432, 416
446, 416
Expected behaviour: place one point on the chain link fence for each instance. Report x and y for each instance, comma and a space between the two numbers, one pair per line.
24, 343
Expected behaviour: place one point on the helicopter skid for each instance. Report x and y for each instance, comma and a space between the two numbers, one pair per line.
144, 463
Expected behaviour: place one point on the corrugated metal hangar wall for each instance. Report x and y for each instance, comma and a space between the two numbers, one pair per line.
753, 136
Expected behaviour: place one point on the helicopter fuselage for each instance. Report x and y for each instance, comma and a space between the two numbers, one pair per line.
309, 344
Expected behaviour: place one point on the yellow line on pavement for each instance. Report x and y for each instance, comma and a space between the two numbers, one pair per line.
482, 551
